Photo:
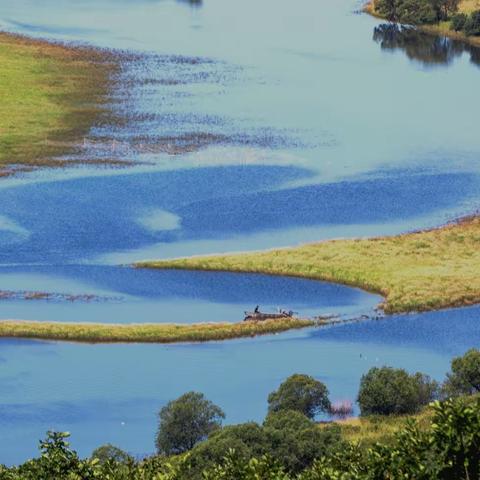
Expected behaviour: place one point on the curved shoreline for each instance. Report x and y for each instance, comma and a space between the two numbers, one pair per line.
162, 333
418, 271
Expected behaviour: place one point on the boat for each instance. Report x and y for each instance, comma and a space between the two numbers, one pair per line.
261, 316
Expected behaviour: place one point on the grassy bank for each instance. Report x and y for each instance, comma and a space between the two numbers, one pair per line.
50, 97
145, 333
441, 28
414, 272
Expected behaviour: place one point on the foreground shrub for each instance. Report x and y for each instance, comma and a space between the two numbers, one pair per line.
185, 422
390, 391
301, 393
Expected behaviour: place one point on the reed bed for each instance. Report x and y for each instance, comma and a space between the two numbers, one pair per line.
145, 333
418, 271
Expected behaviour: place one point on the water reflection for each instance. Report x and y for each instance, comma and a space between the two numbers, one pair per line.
421, 47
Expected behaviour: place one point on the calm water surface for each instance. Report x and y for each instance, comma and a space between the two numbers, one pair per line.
254, 125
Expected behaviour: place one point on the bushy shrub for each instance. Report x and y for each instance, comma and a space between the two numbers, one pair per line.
387, 391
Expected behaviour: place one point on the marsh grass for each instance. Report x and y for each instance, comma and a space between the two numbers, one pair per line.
145, 333
51, 95
418, 271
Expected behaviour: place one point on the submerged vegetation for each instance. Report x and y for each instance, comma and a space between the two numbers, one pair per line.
417, 271
146, 332
51, 96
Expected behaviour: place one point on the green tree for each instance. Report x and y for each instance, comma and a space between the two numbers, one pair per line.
109, 452
472, 25
464, 378
386, 391
388, 9
301, 393
186, 421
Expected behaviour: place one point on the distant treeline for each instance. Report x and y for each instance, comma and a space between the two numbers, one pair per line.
425, 12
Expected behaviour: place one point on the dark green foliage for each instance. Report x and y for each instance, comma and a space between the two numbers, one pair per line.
458, 22
288, 437
185, 422
247, 440
296, 441
464, 379
387, 391
472, 25
416, 12
301, 393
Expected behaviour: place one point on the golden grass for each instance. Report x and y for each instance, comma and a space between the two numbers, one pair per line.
414, 272
50, 97
368, 430
145, 333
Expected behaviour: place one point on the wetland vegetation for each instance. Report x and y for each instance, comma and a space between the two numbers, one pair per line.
52, 94
416, 271
146, 332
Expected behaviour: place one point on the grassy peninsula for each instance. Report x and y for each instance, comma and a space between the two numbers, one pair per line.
417, 271
457, 19
51, 95
144, 332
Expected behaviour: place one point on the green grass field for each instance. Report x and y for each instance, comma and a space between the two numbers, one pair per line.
145, 333
414, 272
50, 96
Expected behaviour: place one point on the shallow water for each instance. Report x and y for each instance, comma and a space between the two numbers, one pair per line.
254, 125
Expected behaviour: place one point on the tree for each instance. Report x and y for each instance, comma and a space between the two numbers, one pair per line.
109, 452
458, 21
386, 391
472, 25
301, 393
387, 9
464, 379
186, 421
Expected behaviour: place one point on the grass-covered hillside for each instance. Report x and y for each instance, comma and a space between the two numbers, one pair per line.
414, 272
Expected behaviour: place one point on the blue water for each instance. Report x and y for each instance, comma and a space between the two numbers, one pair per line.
250, 125
111, 393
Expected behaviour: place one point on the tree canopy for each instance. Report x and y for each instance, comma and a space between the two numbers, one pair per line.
186, 421
301, 393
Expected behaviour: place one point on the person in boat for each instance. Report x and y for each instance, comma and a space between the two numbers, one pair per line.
257, 309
